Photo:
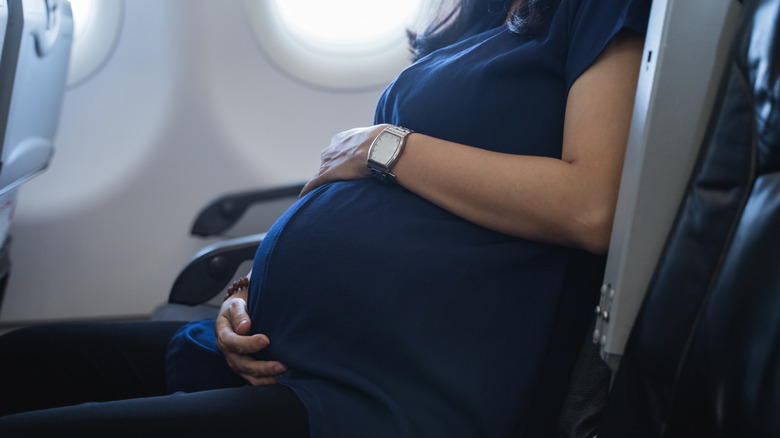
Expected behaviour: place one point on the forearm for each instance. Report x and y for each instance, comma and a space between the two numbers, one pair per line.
569, 201
538, 198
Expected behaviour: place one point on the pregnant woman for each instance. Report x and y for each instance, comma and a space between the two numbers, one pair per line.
434, 279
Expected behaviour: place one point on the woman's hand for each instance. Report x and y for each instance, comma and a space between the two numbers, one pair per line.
346, 157
232, 328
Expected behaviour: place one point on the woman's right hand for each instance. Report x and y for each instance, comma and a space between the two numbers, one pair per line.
232, 329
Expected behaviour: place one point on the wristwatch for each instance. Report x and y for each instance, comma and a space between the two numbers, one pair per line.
384, 152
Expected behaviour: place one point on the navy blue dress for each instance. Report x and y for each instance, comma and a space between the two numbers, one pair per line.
399, 319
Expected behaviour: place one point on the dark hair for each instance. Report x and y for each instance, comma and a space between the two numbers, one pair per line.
454, 17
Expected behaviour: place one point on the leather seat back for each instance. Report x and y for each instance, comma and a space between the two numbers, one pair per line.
703, 358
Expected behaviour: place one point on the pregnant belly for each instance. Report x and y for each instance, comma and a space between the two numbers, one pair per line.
375, 291
361, 263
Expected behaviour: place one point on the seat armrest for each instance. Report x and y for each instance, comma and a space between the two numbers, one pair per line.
209, 272
587, 394
223, 212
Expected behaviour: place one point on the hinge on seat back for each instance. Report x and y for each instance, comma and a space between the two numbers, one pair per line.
603, 311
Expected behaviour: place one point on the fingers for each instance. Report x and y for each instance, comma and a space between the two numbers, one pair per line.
238, 316
345, 158
231, 329
325, 174
237, 349
256, 372
232, 326
229, 341
311, 185
255, 381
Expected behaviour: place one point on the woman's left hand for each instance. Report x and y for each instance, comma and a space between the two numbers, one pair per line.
346, 157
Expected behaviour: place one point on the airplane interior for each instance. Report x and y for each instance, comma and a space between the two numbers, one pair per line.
147, 145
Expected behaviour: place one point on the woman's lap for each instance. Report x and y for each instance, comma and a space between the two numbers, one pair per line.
111, 377
63, 364
262, 411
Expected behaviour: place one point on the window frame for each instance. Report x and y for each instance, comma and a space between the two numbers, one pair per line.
356, 69
97, 41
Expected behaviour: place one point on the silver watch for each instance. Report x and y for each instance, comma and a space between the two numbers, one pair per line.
384, 152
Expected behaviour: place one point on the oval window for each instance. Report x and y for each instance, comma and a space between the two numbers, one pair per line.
339, 43
96, 25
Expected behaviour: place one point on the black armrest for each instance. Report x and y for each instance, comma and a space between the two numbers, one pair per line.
225, 211
209, 272
5, 267
586, 395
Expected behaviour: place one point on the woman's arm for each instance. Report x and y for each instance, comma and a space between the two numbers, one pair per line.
569, 201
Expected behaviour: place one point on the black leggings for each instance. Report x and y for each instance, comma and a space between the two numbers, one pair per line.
85, 379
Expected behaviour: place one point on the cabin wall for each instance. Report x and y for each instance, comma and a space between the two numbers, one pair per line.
187, 108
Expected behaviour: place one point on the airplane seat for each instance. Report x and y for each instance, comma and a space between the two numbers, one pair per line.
36, 42
223, 215
193, 293
703, 358
6, 200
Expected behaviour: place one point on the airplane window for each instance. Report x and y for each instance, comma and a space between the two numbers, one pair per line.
338, 43
95, 31
347, 25
82, 15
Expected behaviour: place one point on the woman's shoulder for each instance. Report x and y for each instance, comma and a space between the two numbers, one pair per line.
589, 25
608, 13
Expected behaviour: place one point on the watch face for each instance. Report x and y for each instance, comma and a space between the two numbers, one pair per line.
384, 148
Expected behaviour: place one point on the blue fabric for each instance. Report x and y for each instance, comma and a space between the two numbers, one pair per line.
397, 318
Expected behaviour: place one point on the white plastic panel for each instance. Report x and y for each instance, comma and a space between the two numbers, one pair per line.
685, 49
3, 23
32, 82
